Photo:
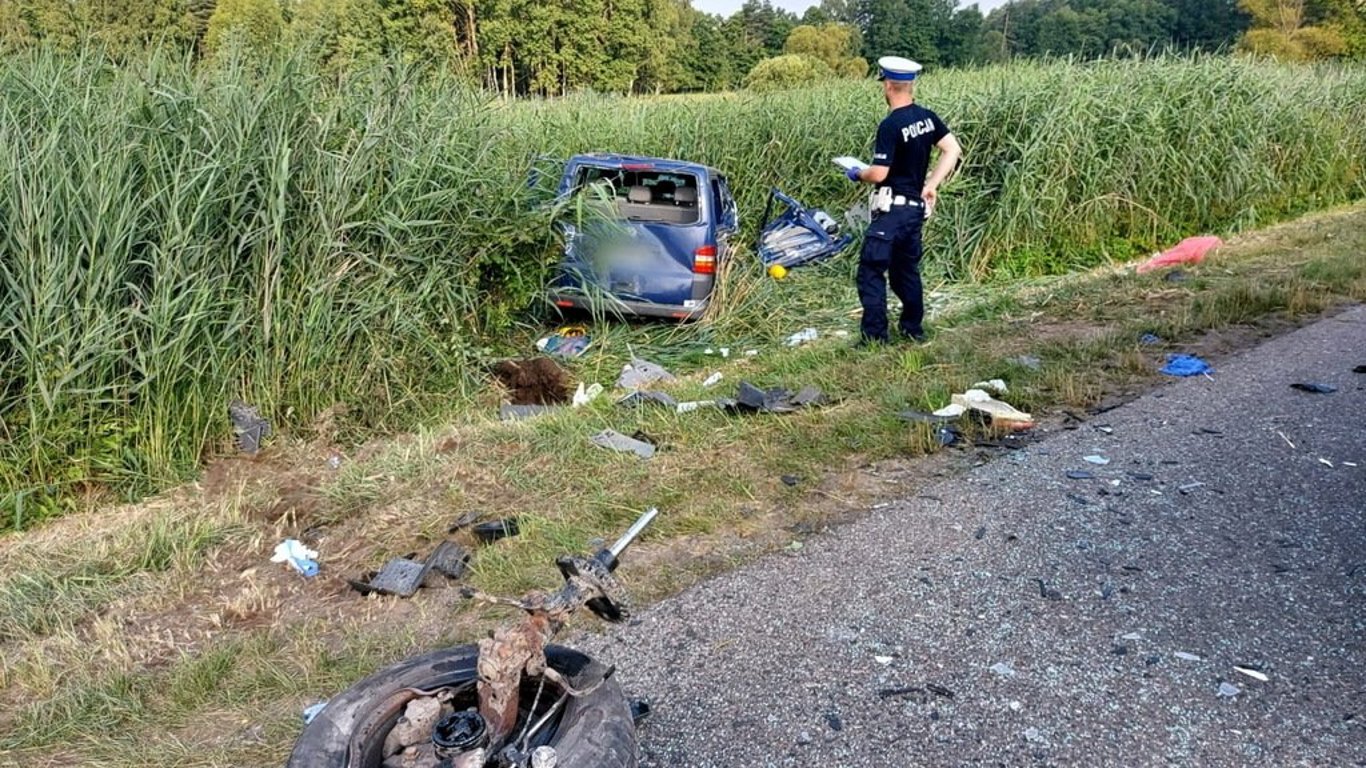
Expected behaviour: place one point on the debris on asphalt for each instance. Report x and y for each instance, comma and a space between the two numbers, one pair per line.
312, 710
1047, 592
533, 381
299, 557
1027, 361
1186, 656
1140, 475
1034, 736
1105, 429
1132, 636
1079, 474
567, 341
640, 710
1096, 459
248, 427
609, 438
751, 399
1186, 365
1314, 387
1326, 463
494, 530
1359, 369
997, 384
801, 337
1003, 669
1286, 439
1085, 502
1188, 487
1229, 689
510, 412
403, 576
1192, 250
713, 380
1252, 673
644, 396
584, 396
639, 373
1149, 339
884, 660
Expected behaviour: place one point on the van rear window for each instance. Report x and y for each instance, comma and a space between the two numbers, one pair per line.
653, 196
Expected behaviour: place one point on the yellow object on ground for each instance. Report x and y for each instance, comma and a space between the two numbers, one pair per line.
777, 271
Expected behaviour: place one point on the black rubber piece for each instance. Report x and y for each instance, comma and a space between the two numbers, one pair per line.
595, 731
494, 530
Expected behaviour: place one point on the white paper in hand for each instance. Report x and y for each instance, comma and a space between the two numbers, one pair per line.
847, 162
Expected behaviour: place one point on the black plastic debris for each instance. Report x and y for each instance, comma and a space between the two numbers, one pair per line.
1314, 387
494, 530
791, 480
1079, 474
948, 436
751, 399
645, 397
640, 711
1175, 276
1359, 369
511, 412
248, 426
1079, 499
403, 576
1047, 592
1140, 475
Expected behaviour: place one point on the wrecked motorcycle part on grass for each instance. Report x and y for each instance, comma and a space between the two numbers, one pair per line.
497, 705
403, 576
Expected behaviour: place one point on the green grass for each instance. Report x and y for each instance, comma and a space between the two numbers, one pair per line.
171, 239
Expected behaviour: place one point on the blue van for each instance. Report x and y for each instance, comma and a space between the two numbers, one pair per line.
662, 230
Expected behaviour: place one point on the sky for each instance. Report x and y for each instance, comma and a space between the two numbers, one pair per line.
727, 7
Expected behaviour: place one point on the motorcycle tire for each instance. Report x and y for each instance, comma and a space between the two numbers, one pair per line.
595, 731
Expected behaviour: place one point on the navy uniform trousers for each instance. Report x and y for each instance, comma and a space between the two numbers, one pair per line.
891, 248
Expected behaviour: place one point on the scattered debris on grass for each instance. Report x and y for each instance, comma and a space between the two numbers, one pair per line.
1192, 250
1186, 365
533, 381
751, 399
923, 417
609, 438
801, 337
248, 427
403, 576
645, 396
509, 412
301, 558
713, 380
1314, 387
691, 406
584, 396
1027, 361
568, 341
1149, 339
494, 530
996, 384
1003, 415
640, 373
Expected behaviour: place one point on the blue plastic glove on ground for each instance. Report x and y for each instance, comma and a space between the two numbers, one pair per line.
852, 174
1185, 365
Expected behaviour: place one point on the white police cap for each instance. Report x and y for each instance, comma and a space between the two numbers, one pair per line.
897, 68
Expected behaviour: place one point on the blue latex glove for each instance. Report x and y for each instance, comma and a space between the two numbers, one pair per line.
852, 174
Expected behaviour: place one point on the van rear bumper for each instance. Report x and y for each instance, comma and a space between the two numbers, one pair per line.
631, 308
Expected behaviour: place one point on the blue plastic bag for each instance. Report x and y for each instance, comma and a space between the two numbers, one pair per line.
1186, 365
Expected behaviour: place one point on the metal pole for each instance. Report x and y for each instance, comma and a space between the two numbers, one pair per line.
630, 535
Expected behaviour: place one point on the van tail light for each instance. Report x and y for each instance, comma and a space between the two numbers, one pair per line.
704, 260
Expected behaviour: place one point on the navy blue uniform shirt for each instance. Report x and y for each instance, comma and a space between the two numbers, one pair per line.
904, 139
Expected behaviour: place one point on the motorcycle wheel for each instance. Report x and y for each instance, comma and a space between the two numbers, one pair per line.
594, 731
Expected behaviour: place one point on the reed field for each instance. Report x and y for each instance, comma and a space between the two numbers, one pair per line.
172, 237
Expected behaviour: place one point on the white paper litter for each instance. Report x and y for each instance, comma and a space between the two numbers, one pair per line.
1252, 673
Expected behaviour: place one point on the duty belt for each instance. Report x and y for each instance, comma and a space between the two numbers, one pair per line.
903, 200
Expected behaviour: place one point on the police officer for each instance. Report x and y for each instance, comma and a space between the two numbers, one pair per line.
902, 200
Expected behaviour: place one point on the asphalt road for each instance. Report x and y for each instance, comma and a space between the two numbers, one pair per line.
1216, 537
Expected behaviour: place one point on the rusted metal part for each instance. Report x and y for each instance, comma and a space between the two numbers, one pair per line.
520, 650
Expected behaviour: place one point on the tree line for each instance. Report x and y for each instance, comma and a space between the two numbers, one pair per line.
552, 47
